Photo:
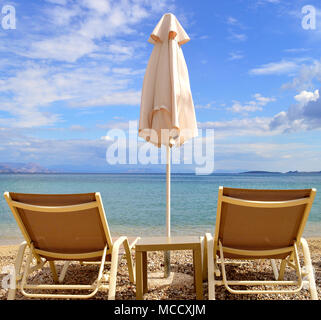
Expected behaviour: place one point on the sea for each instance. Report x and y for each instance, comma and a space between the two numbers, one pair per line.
135, 204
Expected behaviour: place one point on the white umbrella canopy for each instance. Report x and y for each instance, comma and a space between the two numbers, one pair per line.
167, 101
167, 115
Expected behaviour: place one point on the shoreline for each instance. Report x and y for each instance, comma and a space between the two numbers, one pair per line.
4, 245
10, 233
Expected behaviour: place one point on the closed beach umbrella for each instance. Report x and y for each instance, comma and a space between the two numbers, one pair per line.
167, 115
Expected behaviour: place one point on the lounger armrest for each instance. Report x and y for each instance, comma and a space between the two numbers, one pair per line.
208, 236
122, 239
118, 243
210, 253
132, 244
114, 265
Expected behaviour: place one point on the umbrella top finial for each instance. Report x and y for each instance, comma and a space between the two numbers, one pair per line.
166, 25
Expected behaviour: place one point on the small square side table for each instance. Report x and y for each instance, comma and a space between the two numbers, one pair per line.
144, 245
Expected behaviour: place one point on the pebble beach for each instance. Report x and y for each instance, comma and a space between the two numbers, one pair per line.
181, 284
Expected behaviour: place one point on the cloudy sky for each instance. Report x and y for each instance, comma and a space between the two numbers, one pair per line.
72, 70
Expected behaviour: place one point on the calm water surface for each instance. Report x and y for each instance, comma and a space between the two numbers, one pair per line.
135, 203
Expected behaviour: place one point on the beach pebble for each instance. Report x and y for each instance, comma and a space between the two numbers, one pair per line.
182, 285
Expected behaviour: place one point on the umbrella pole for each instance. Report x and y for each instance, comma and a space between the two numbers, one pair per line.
167, 254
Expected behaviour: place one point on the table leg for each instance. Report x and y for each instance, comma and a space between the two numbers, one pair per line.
198, 277
145, 285
139, 275
194, 268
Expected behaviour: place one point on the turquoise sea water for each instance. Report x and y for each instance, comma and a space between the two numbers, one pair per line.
135, 203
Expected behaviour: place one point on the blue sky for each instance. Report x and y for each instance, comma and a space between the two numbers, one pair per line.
72, 70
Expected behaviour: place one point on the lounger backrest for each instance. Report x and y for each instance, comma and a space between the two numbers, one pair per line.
62, 223
262, 219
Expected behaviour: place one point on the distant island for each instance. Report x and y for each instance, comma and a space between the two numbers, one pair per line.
289, 172
23, 168
260, 172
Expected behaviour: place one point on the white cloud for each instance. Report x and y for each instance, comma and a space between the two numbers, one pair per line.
74, 152
251, 106
305, 96
128, 98
276, 68
263, 155
235, 56
62, 15
254, 127
60, 2
91, 30
272, 1
306, 76
121, 125
77, 127
296, 50
303, 116
263, 2
63, 48
26, 102
128, 71
85, 24
262, 101
206, 106
101, 6
232, 21
22, 98
115, 48
237, 36
233, 30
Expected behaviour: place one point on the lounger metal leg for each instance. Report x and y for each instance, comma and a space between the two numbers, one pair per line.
18, 264
63, 272
282, 270
12, 294
197, 257
210, 270
145, 280
309, 269
114, 267
113, 278
139, 276
129, 262
53, 271
204, 258
275, 269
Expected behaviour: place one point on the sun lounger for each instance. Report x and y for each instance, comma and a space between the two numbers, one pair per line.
67, 227
260, 224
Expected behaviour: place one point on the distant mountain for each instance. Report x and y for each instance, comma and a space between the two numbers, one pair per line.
23, 168
289, 172
260, 172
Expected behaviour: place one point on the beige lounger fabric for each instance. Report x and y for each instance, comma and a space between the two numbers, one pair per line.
251, 228
260, 224
70, 232
166, 101
68, 227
